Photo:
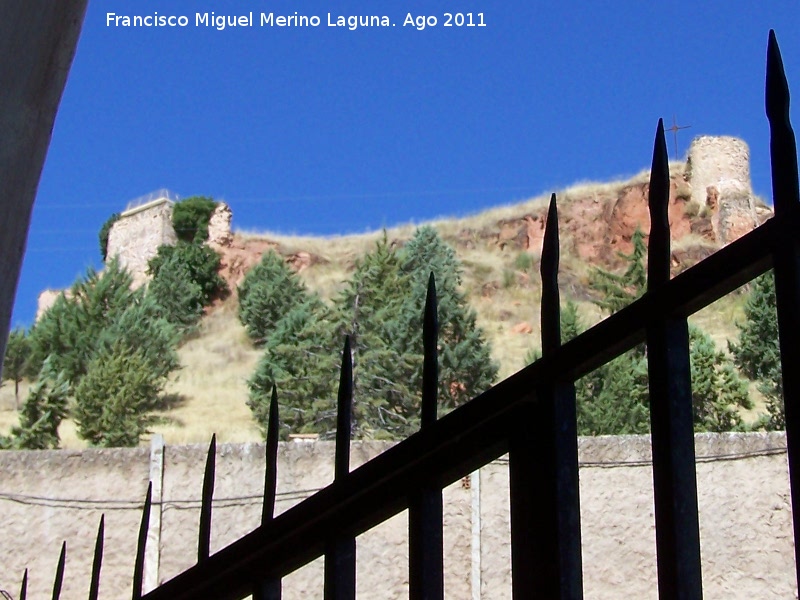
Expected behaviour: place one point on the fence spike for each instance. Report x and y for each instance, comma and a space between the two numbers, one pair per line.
138, 566
271, 470
783, 148
551, 307
344, 412
658, 247
23, 589
94, 586
430, 366
204, 537
60, 572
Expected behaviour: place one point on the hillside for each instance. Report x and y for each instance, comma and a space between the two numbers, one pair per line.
499, 250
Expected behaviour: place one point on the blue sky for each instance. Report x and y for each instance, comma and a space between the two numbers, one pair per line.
326, 130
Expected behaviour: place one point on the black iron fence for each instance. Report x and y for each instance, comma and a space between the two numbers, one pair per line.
530, 416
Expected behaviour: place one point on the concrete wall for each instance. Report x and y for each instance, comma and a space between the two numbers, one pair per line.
49, 496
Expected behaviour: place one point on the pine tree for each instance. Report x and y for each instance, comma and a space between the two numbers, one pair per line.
101, 310
466, 367
617, 291
69, 330
179, 298
16, 360
614, 398
371, 309
202, 264
717, 391
114, 400
103, 328
269, 291
301, 360
757, 354
42, 412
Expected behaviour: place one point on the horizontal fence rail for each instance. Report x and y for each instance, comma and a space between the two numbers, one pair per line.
532, 417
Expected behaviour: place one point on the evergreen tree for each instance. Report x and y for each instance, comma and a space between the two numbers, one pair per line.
16, 360
69, 330
42, 412
178, 296
466, 367
114, 400
717, 390
757, 354
269, 291
300, 358
617, 291
141, 329
374, 310
614, 398
202, 264
102, 328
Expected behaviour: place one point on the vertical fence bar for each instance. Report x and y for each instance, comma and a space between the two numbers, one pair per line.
543, 465
204, 530
786, 201
270, 589
94, 585
138, 565
671, 417
425, 543
340, 551
60, 572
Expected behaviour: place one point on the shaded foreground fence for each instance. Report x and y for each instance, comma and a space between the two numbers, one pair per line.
530, 416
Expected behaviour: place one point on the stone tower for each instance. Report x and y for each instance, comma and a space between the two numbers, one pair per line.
134, 239
718, 168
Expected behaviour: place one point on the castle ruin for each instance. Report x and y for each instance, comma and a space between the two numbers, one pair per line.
718, 169
144, 226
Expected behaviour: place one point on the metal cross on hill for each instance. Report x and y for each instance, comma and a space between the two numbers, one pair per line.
674, 129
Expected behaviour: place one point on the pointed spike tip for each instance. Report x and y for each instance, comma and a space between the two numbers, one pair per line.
344, 412
777, 92
271, 466
430, 364
550, 244
23, 590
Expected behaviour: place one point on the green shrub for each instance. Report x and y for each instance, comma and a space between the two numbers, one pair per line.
524, 261
200, 261
103, 235
190, 218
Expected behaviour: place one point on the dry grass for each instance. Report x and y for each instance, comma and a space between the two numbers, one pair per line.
210, 391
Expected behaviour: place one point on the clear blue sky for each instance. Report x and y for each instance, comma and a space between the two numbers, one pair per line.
326, 130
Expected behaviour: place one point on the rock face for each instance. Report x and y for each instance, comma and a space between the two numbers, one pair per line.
718, 169
219, 227
134, 239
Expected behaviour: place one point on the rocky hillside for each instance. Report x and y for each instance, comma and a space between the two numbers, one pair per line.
499, 250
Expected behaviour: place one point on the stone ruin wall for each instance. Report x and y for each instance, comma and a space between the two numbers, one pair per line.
134, 239
718, 169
